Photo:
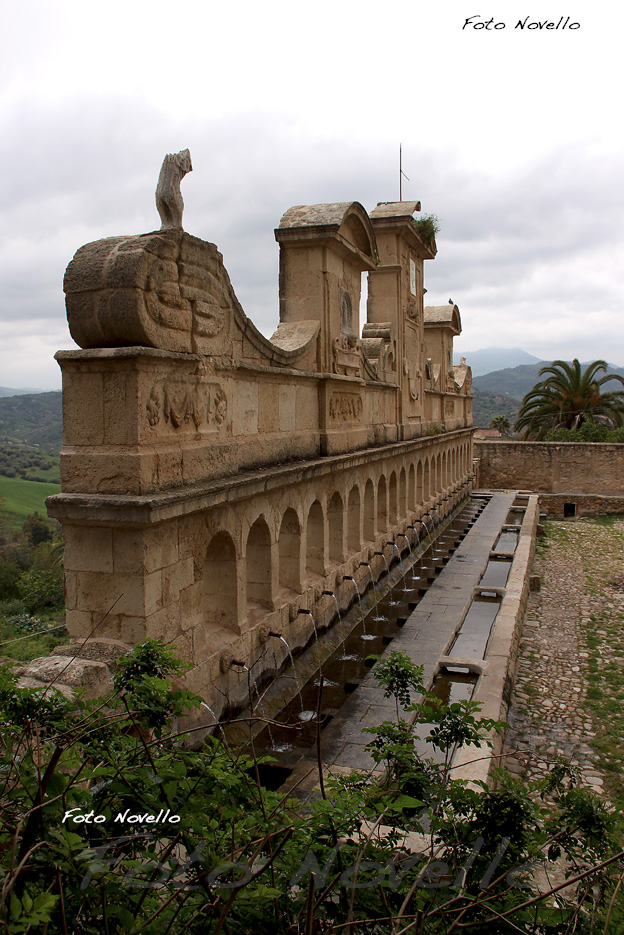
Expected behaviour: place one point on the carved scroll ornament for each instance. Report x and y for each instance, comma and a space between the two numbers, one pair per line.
166, 290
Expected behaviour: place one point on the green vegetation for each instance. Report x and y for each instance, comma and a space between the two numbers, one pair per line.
32, 419
516, 382
229, 856
501, 423
22, 497
570, 397
428, 225
587, 432
18, 460
31, 587
487, 406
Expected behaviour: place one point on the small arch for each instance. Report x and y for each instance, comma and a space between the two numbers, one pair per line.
369, 511
315, 540
392, 498
382, 505
411, 488
335, 520
353, 520
258, 564
219, 582
427, 482
402, 493
438, 487
419, 484
289, 546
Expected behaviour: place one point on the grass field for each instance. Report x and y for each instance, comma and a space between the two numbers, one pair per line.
22, 497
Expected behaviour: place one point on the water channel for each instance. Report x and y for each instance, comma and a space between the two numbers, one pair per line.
342, 655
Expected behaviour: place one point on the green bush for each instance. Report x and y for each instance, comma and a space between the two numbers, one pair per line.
587, 432
10, 573
229, 856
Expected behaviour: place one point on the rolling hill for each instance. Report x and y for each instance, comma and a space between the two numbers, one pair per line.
33, 418
517, 381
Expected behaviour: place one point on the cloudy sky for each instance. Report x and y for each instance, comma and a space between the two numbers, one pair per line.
512, 137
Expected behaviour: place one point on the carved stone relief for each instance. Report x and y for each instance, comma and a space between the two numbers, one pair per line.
203, 405
347, 355
412, 382
345, 407
166, 290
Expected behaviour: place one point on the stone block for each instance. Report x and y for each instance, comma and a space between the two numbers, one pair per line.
29, 682
98, 649
88, 548
83, 413
98, 593
95, 677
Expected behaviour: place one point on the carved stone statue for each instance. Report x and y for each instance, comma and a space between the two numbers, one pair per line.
168, 195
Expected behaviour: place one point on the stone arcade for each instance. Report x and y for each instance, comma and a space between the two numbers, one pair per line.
214, 482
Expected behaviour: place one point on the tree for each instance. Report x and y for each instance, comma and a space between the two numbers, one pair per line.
502, 424
570, 397
108, 825
37, 529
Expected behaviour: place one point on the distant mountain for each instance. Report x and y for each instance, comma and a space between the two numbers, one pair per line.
495, 358
516, 382
8, 391
33, 418
486, 405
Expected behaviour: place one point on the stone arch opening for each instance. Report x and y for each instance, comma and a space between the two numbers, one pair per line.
411, 488
353, 520
382, 505
438, 486
419, 484
403, 493
392, 500
290, 551
335, 520
258, 564
427, 481
219, 582
315, 540
369, 511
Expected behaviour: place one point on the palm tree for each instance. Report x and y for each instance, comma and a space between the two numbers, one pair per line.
501, 423
568, 397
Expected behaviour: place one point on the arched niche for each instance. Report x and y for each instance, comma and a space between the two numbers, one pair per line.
335, 521
369, 511
289, 550
315, 540
353, 520
219, 582
258, 564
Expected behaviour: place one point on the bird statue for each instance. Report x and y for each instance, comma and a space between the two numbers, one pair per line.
451, 302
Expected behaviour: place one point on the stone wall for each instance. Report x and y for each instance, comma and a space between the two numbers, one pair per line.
218, 485
551, 467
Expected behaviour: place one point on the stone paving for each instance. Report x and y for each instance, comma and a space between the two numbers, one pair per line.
578, 566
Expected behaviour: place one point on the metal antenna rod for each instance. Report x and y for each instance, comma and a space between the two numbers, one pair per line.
402, 174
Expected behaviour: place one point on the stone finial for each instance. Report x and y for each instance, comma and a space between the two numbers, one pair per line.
168, 195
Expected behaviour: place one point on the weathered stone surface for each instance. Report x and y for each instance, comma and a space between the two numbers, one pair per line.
99, 649
95, 677
215, 481
168, 196
33, 683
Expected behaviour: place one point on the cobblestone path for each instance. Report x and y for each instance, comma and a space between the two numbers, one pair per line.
569, 692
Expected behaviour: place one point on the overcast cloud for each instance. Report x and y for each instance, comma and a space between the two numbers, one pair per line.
513, 139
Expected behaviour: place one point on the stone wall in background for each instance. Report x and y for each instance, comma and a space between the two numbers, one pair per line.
551, 467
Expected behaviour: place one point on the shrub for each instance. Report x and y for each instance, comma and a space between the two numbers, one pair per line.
230, 856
